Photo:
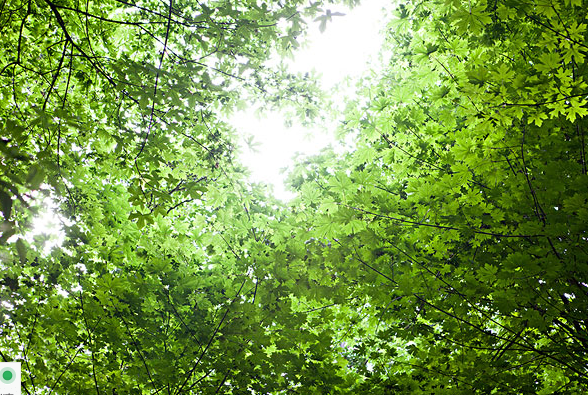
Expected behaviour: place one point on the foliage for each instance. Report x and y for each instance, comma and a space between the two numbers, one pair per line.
461, 216
113, 110
446, 253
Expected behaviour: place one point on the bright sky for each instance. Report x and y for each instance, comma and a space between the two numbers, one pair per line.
343, 49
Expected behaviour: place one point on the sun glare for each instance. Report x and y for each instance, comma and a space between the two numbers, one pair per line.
47, 226
344, 51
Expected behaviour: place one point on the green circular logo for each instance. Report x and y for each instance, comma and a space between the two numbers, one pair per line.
7, 375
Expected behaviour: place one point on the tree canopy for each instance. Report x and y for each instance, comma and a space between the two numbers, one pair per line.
446, 253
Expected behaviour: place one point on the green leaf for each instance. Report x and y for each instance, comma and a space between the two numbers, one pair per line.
6, 204
341, 183
22, 251
35, 176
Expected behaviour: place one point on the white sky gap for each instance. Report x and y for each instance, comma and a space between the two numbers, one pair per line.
343, 50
